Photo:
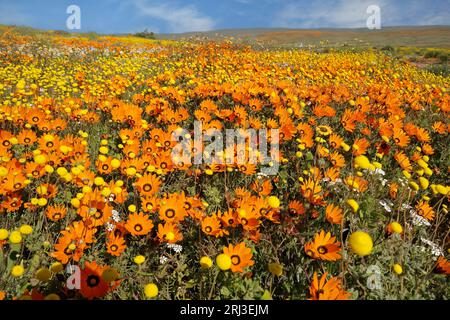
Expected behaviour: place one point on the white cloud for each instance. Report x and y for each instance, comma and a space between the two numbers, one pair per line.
340, 14
352, 13
178, 18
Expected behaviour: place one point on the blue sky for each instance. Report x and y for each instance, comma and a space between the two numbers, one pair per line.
167, 16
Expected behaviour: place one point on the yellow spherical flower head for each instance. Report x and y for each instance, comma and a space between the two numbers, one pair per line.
104, 150
98, 181
353, 204
15, 237
424, 183
3, 234
363, 163
396, 227
275, 269
361, 243
17, 271
115, 163
40, 159
75, 202
139, 259
42, 202
397, 269
43, 274
56, 267
223, 261
274, 202
26, 229
131, 171
151, 290
205, 262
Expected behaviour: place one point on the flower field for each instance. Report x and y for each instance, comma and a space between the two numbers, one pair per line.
94, 205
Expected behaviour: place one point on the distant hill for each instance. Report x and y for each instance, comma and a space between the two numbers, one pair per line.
432, 36
425, 37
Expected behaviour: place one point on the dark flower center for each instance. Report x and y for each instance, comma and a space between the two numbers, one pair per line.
93, 280
235, 259
170, 213
322, 249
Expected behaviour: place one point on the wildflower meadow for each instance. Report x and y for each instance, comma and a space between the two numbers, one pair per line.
119, 179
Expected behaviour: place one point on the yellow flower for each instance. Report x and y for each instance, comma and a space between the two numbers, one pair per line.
42, 202
422, 164
442, 189
151, 290
223, 261
75, 202
61, 171
76, 171
361, 243
40, 159
274, 202
345, 146
17, 271
41, 190
115, 163
414, 185
275, 269
353, 204
43, 274
132, 208
131, 171
406, 174
139, 259
3, 234
104, 150
26, 229
3, 172
15, 237
56, 267
205, 262
396, 227
363, 163
428, 171
397, 269
98, 181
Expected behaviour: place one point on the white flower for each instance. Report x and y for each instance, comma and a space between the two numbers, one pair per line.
109, 226
385, 205
435, 249
175, 247
418, 220
116, 216
163, 259
406, 206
